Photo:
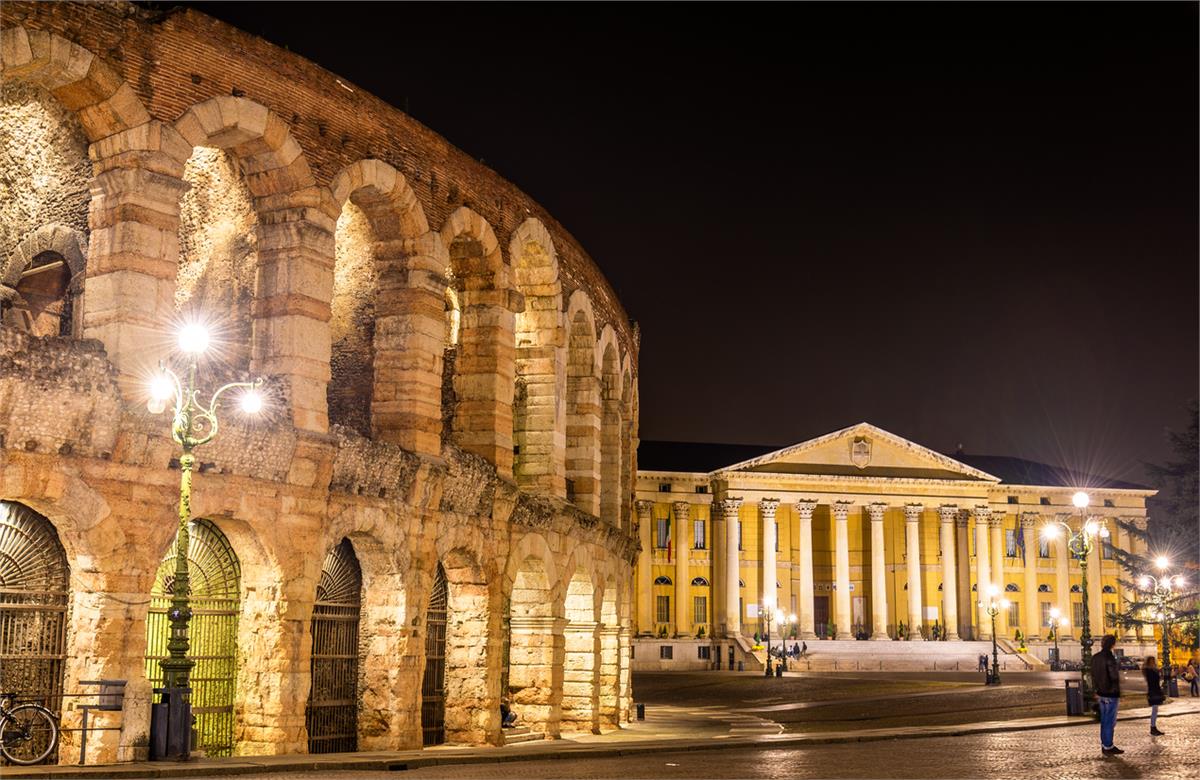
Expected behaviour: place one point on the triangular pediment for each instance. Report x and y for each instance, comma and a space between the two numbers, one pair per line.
865, 451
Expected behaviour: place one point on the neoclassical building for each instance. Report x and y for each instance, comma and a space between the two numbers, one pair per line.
859, 531
432, 513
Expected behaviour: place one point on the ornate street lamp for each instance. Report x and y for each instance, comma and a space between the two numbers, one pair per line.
1080, 544
766, 609
1056, 620
192, 424
1163, 590
993, 608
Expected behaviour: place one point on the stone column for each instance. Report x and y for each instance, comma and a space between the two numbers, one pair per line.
581, 677
962, 557
947, 513
536, 655
645, 593
879, 615
770, 594
683, 582
1062, 580
720, 570
841, 511
1095, 605
730, 508
912, 528
983, 568
1033, 612
609, 697
996, 528
807, 628
625, 702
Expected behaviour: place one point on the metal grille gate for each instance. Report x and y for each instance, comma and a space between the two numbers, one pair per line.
34, 583
332, 712
433, 687
215, 577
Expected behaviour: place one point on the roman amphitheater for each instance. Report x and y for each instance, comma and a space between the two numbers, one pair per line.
431, 515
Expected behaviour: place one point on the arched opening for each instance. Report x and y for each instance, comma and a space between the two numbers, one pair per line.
610, 438
218, 253
433, 685
40, 304
352, 320
452, 313
628, 470
34, 590
583, 415
582, 651
471, 682
534, 685
331, 715
215, 575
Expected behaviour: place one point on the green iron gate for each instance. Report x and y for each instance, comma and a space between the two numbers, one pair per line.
332, 712
215, 577
433, 687
34, 583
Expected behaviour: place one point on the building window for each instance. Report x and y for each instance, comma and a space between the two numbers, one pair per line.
1106, 551
1013, 500
663, 537
1011, 588
1010, 543
1109, 502
1044, 501
704, 652
1043, 548
1110, 614
664, 488
701, 488
662, 580
741, 607
1014, 613
699, 609
663, 609
1046, 614
1077, 613
666, 652
1043, 588
698, 532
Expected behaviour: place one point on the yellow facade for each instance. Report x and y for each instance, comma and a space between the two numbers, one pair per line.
871, 477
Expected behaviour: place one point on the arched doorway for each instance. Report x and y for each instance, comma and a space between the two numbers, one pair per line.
34, 583
433, 687
215, 576
332, 712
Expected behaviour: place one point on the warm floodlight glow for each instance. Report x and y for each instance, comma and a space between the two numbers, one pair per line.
1103, 532
252, 402
1179, 581
1054, 612
1089, 528
993, 590
1050, 531
1005, 603
791, 618
1162, 562
1080, 499
193, 338
1063, 622
161, 387
1144, 583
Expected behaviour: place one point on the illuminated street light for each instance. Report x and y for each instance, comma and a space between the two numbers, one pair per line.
1056, 620
993, 607
1163, 592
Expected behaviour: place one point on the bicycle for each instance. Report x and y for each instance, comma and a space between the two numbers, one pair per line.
28, 732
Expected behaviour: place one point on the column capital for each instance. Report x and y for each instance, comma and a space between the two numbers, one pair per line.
841, 509
805, 507
996, 520
1137, 522
768, 506
876, 510
1029, 519
962, 518
947, 512
643, 507
912, 512
681, 510
730, 507
982, 512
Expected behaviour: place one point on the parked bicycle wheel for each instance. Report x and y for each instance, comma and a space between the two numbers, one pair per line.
28, 734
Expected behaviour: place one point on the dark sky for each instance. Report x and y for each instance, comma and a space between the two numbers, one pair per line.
966, 223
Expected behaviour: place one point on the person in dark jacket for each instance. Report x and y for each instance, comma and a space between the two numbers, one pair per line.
1106, 677
1154, 692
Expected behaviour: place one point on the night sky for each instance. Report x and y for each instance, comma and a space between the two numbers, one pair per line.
968, 223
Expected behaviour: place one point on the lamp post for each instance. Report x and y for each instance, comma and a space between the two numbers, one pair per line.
192, 424
765, 609
1162, 592
993, 608
791, 621
1056, 620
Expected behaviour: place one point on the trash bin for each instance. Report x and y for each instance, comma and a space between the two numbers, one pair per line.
641, 711
779, 670
1173, 687
1074, 697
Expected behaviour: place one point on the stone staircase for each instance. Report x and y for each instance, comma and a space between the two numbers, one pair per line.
518, 734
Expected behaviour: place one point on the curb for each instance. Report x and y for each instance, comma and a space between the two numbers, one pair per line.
402, 762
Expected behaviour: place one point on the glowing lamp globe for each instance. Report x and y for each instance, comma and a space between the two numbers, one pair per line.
193, 338
1080, 499
1144, 583
1005, 603
993, 590
1063, 622
1050, 531
1103, 532
1089, 528
252, 402
1054, 612
1162, 562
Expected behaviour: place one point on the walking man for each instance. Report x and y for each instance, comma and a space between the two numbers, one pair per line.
1106, 676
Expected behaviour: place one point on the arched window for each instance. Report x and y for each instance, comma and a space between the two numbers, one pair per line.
741, 583
699, 582
939, 587
1011, 588
1075, 589
663, 581
1109, 589
1043, 588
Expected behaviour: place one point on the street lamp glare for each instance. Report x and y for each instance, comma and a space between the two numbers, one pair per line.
1090, 527
1103, 532
1080, 499
1162, 562
252, 402
1005, 603
193, 338
1054, 612
791, 618
1064, 622
1144, 583
1050, 531
993, 590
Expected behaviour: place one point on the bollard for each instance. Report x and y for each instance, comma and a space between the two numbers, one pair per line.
641, 711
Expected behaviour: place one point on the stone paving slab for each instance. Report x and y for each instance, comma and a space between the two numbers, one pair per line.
685, 729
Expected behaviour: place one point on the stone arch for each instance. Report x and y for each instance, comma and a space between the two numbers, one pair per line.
533, 684
484, 367
611, 424
43, 278
332, 710
539, 410
628, 445
583, 406
581, 599
389, 282
293, 275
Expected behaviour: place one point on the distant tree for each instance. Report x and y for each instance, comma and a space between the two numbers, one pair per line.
1173, 530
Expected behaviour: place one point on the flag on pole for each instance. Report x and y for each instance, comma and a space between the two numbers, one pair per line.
1021, 542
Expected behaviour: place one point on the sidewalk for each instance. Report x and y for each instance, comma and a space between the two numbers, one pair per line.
665, 728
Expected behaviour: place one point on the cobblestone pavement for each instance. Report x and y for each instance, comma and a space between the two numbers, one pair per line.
1070, 752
